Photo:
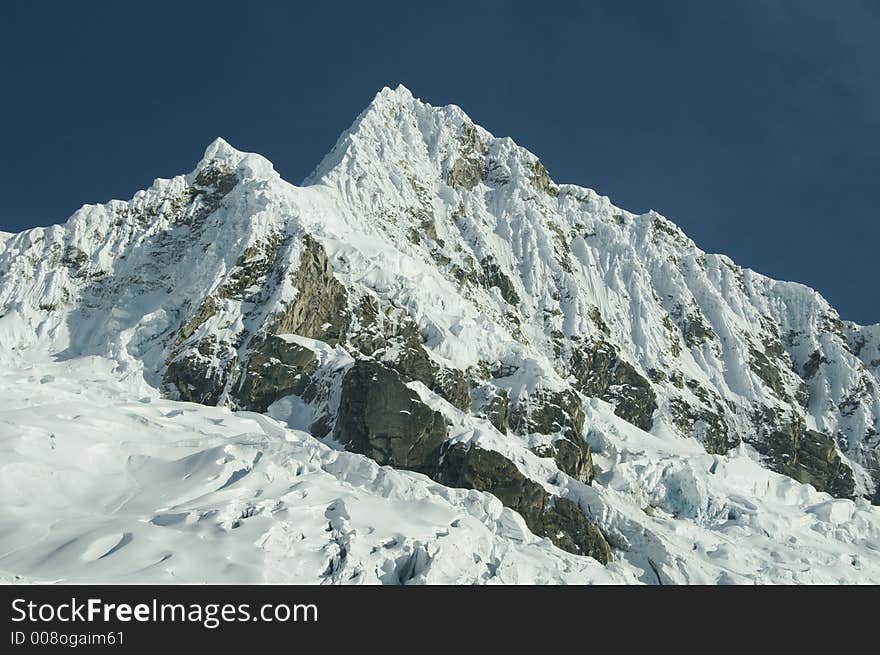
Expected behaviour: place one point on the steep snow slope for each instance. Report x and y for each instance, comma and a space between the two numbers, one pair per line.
431, 299
775, 353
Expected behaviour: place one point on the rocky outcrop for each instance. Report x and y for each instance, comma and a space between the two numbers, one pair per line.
549, 412
559, 519
393, 338
768, 372
215, 181
402, 348
379, 416
200, 374
206, 310
540, 179
707, 426
486, 470
495, 408
493, 276
251, 269
277, 367
811, 366
572, 457
568, 527
467, 170
806, 455
452, 385
319, 310
601, 373
199, 369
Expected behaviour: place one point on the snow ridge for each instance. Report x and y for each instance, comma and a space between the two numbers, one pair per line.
725, 424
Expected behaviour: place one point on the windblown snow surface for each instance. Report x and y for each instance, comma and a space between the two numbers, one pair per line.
105, 477
102, 480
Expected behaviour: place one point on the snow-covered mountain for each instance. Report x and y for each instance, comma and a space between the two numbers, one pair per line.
555, 383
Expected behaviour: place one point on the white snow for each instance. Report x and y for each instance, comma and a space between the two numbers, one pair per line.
103, 480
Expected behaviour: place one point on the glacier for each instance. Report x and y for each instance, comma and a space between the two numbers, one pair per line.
428, 363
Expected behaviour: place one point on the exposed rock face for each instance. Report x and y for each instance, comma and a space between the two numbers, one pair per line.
693, 327
215, 181
568, 527
546, 516
493, 276
206, 369
768, 372
549, 412
487, 470
540, 179
206, 310
573, 457
276, 368
467, 170
634, 399
201, 373
805, 455
200, 368
452, 385
379, 416
601, 373
811, 366
395, 340
251, 269
706, 425
319, 309
73, 258
496, 409
465, 173
403, 351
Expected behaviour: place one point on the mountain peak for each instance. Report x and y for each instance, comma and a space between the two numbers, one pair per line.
398, 94
396, 122
440, 293
220, 149
246, 165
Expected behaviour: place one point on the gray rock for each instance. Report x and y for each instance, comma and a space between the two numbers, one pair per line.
540, 179
379, 416
811, 366
559, 519
493, 276
768, 372
468, 168
196, 375
805, 455
319, 310
549, 412
575, 458
601, 373
706, 425
465, 172
251, 268
568, 527
399, 334
496, 410
275, 369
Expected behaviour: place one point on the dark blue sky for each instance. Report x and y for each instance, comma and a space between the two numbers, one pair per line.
753, 125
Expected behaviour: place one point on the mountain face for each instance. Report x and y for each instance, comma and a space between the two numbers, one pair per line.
431, 299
